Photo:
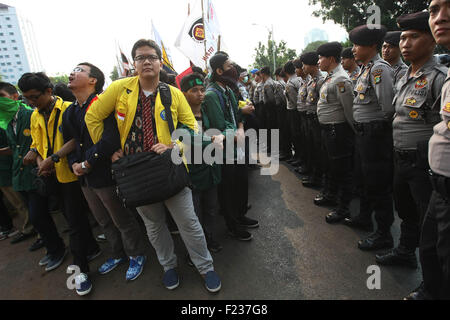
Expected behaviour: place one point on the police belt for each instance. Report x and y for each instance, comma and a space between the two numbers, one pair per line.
405, 155
361, 127
332, 126
311, 115
440, 184
303, 113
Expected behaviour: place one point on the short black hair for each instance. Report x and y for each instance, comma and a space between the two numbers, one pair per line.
34, 80
8, 87
289, 68
184, 82
298, 64
97, 74
61, 90
146, 43
265, 70
198, 70
278, 72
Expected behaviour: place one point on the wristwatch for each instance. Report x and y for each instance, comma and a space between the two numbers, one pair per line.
55, 158
83, 166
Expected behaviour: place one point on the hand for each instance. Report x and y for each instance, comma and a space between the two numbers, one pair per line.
218, 140
30, 158
249, 109
240, 135
46, 166
78, 170
160, 148
117, 155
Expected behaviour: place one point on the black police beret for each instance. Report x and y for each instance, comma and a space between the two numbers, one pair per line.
347, 53
368, 35
393, 38
310, 58
218, 60
414, 21
330, 49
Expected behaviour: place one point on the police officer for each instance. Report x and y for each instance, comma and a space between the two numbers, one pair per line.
334, 112
270, 102
349, 64
292, 87
314, 145
302, 108
417, 112
280, 87
373, 112
435, 238
391, 53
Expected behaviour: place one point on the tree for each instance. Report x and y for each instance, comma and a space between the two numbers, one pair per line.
352, 13
313, 46
60, 78
114, 74
264, 54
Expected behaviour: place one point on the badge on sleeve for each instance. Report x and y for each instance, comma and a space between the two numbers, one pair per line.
448, 125
447, 107
377, 76
414, 114
421, 83
410, 102
341, 86
362, 97
360, 88
27, 132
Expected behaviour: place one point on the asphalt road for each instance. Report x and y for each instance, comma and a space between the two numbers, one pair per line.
294, 255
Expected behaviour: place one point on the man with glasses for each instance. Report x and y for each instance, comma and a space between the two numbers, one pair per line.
50, 153
142, 124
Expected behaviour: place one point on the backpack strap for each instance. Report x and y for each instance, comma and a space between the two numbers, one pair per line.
219, 94
166, 99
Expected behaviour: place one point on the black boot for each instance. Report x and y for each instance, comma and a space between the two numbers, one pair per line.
400, 256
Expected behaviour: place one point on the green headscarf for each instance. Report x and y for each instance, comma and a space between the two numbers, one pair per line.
8, 109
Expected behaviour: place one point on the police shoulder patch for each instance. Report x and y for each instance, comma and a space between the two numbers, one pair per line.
341, 86
413, 114
377, 75
447, 107
410, 102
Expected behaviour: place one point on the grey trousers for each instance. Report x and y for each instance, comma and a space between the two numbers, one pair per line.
118, 223
182, 210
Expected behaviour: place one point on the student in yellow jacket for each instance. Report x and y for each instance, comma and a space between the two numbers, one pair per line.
50, 153
143, 127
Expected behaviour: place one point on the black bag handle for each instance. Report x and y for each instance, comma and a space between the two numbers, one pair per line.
55, 128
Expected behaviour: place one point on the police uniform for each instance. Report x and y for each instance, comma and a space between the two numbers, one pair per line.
347, 53
293, 85
354, 76
270, 111
280, 98
373, 112
400, 68
303, 136
335, 115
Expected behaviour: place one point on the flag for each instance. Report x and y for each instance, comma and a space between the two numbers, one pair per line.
194, 34
182, 75
126, 70
167, 60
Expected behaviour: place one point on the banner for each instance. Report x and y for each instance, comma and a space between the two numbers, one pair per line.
167, 59
199, 41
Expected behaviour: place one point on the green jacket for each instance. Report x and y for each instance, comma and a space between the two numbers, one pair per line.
22, 178
203, 176
5, 163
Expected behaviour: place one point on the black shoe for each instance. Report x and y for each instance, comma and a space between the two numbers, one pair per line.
21, 237
94, 255
290, 160
398, 257
284, 157
376, 241
335, 217
301, 170
358, 223
248, 223
38, 244
296, 163
309, 183
419, 294
240, 234
101, 238
322, 200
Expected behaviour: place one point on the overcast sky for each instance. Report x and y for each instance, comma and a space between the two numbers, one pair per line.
69, 32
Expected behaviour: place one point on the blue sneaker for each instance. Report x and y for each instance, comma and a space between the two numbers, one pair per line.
110, 265
171, 280
212, 282
136, 267
83, 284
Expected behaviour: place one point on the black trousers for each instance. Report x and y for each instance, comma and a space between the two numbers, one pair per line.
5, 218
285, 146
294, 129
42, 221
233, 193
412, 192
435, 245
338, 144
375, 147
314, 152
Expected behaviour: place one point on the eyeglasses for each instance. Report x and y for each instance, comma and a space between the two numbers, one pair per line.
151, 58
33, 97
78, 69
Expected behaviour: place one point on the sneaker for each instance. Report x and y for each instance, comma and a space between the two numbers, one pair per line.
44, 261
83, 284
101, 238
136, 267
110, 265
248, 223
94, 255
419, 294
240, 234
171, 280
38, 244
55, 261
8, 233
212, 282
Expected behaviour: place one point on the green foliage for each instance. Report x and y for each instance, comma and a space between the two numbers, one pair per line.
352, 13
313, 46
264, 54
60, 78
114, 74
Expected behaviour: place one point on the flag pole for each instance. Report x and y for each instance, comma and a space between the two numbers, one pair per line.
204, 33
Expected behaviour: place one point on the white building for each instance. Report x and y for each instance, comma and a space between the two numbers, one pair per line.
18, 50
316, 35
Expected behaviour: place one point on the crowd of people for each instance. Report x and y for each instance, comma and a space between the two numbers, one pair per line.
351, 122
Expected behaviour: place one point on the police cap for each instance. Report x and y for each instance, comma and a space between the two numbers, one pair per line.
368, 35
393, 38
330, 49
347, 53
310, 58
414, 21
